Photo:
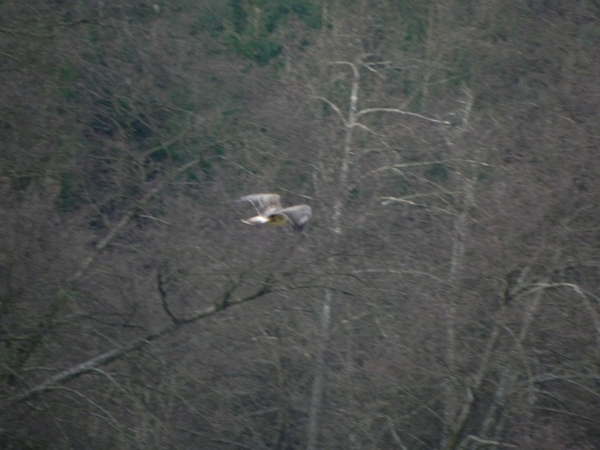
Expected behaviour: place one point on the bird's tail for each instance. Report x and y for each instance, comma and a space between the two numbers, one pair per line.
257, 220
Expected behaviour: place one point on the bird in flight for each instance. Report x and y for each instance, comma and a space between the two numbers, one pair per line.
270, 211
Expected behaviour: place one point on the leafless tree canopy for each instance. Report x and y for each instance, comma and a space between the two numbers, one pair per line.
445, 294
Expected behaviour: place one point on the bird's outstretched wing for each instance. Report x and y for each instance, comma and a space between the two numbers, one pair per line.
264, 203
270, 211
297, 215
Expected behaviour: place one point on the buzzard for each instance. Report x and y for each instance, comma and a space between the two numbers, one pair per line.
270, 211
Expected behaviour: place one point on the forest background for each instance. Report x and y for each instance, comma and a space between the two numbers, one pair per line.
444, 296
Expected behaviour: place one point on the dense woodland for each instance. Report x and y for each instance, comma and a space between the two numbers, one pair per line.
445, 295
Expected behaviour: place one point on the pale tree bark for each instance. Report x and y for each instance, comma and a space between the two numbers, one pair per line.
350, 122
460, 402
510, 382
460, 395
336, 229
454, 417
493, 423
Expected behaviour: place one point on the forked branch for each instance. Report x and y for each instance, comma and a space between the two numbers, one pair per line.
101, 360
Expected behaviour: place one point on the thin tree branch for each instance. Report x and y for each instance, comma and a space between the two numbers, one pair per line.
399, 111
335, 108
489, 442
163, 298
395, 436
105, 358
118, 228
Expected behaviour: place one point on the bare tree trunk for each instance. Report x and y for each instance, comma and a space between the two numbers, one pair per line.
455, 416
493, 424
336, 230
319, 380
350, 122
